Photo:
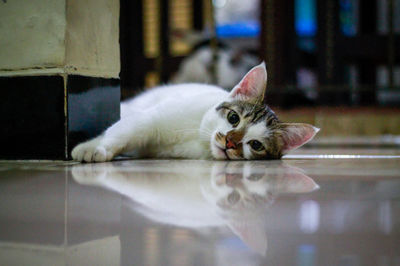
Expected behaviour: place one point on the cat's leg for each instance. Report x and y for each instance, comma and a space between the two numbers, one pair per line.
126, 135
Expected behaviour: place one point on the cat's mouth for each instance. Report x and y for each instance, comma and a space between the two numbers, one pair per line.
223, 149
219, 152
226, 154
223, 152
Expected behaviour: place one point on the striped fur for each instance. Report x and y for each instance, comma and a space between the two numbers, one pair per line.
253, 114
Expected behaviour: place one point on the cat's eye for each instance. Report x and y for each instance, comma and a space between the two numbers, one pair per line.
256, 145
233, 118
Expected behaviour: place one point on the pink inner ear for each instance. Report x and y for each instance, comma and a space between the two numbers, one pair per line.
297, 135
297, 182
253, 84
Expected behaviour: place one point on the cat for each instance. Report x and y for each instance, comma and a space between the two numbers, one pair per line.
232, 65
236, 194
198, 121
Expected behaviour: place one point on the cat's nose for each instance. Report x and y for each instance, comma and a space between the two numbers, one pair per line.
233, 139
230, 144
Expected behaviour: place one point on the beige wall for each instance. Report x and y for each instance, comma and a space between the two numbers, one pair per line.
92, 37
32, 34
59, 36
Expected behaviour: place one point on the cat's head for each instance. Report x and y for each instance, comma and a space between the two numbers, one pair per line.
246, 128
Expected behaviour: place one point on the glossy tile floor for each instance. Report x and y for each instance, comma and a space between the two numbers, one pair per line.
340, 207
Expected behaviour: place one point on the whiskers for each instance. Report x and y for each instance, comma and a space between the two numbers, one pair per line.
203, 133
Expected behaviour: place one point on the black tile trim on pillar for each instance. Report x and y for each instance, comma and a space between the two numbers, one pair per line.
42, 119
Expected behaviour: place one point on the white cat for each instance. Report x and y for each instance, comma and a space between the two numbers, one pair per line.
198, 121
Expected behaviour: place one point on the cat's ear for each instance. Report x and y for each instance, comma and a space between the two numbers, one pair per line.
252, 86
294, 135
295, 181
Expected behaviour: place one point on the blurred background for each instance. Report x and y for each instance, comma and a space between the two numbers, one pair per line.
333, 63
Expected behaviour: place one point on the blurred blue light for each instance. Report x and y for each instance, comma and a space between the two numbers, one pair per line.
238, 29
305, 18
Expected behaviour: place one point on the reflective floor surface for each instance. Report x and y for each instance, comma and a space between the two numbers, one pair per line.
334, 208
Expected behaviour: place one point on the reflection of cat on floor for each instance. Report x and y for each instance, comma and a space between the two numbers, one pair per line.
235, 194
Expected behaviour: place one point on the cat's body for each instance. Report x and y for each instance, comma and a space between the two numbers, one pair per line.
146, 127
198, 121
178, 137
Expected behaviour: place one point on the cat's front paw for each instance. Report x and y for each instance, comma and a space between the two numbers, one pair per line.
91, 151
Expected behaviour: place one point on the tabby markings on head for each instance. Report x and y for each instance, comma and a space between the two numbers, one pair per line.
254, 117
253, 131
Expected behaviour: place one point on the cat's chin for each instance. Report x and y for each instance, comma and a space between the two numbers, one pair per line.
222, 154
218, 153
